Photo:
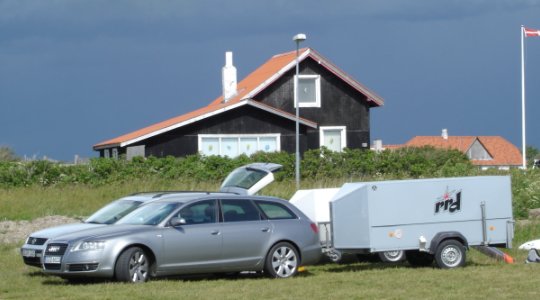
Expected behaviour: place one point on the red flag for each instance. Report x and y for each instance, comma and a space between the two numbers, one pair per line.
531, 32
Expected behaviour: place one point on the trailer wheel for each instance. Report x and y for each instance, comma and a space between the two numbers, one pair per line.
450, 254
419, 259
392, 256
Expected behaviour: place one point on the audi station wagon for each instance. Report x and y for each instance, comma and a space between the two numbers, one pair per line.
202, 232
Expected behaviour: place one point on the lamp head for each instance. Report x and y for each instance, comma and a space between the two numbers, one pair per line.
299, 37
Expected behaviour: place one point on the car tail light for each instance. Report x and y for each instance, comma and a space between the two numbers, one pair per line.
314, 227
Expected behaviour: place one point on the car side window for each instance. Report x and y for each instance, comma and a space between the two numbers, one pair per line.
276, 211
199, 213
237, 210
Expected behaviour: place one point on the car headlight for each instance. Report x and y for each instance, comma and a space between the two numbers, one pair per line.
88, 246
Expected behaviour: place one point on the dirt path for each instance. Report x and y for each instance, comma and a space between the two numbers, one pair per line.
13, 232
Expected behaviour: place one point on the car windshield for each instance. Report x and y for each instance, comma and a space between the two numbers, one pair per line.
113, 212
243, 178
151, 214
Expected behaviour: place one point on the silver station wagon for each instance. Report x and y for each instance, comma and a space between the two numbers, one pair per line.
32, 250
199, 232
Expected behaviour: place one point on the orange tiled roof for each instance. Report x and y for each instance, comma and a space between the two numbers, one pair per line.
272, 69
255, 82
502, 151
193, 117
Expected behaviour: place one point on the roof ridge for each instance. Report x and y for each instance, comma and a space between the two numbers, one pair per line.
291, 52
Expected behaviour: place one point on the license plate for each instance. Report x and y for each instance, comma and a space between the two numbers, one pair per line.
29, 253
53, 259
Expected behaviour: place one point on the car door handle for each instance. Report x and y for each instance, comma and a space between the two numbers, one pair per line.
216, 232
265, 229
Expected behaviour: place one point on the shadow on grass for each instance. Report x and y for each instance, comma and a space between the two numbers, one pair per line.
367, 266
186, 278
36, 273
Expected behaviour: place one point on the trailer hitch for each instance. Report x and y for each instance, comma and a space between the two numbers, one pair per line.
334, 255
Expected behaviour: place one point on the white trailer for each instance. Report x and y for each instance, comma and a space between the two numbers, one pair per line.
428, 219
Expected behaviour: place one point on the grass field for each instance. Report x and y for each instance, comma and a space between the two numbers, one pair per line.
482, 278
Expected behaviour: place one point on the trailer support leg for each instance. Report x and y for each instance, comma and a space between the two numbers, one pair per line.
484, 223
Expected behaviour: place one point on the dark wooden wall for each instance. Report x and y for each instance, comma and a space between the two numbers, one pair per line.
341, 105
243, 120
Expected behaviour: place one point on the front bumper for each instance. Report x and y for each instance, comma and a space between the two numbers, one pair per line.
32, 254
78, 264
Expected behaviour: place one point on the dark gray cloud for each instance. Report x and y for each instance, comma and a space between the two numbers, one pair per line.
75, 72
60, 19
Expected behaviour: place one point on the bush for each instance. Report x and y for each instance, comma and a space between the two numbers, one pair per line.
317, 165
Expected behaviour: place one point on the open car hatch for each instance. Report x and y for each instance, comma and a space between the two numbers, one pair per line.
249, 179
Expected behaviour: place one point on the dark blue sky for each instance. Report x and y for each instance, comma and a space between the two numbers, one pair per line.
74, 73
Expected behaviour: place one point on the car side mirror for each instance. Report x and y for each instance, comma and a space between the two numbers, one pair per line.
177, 221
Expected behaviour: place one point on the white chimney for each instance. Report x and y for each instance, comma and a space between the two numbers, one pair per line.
444, 134
228, 78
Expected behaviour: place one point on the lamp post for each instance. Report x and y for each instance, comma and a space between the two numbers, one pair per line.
297, 38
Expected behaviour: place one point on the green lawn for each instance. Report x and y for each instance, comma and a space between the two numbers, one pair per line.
482, 278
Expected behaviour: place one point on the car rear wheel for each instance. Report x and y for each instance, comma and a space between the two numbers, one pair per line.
133, 265
282, 261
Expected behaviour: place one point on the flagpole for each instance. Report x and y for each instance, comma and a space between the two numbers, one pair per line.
523, 143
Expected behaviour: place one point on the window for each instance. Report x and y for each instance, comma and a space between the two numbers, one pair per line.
233, 145
309, 90
333, 137
229, 146
239, 210
106, 153
478, 152
133, 151
113, 211
115, 153
275, 211
209, 146
199, 213
249, 145
150, 214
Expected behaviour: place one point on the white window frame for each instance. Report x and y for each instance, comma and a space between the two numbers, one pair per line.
343, 135
107, 153
317, 102
240, 136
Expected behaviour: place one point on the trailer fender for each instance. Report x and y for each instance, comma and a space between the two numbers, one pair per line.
441, 236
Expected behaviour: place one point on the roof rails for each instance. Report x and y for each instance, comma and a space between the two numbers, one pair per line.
159, 194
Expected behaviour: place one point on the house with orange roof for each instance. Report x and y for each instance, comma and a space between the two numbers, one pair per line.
483, 151
258, 114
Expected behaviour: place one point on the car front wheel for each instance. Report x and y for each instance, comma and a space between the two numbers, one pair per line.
282, 261
133, 265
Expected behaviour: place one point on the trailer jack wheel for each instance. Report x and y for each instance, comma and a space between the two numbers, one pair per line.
450, 254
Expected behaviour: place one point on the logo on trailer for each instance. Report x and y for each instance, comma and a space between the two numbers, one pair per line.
450, 202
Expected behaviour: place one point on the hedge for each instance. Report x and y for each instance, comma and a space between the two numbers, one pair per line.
316, 165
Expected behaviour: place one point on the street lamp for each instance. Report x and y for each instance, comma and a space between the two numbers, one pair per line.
297, 38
